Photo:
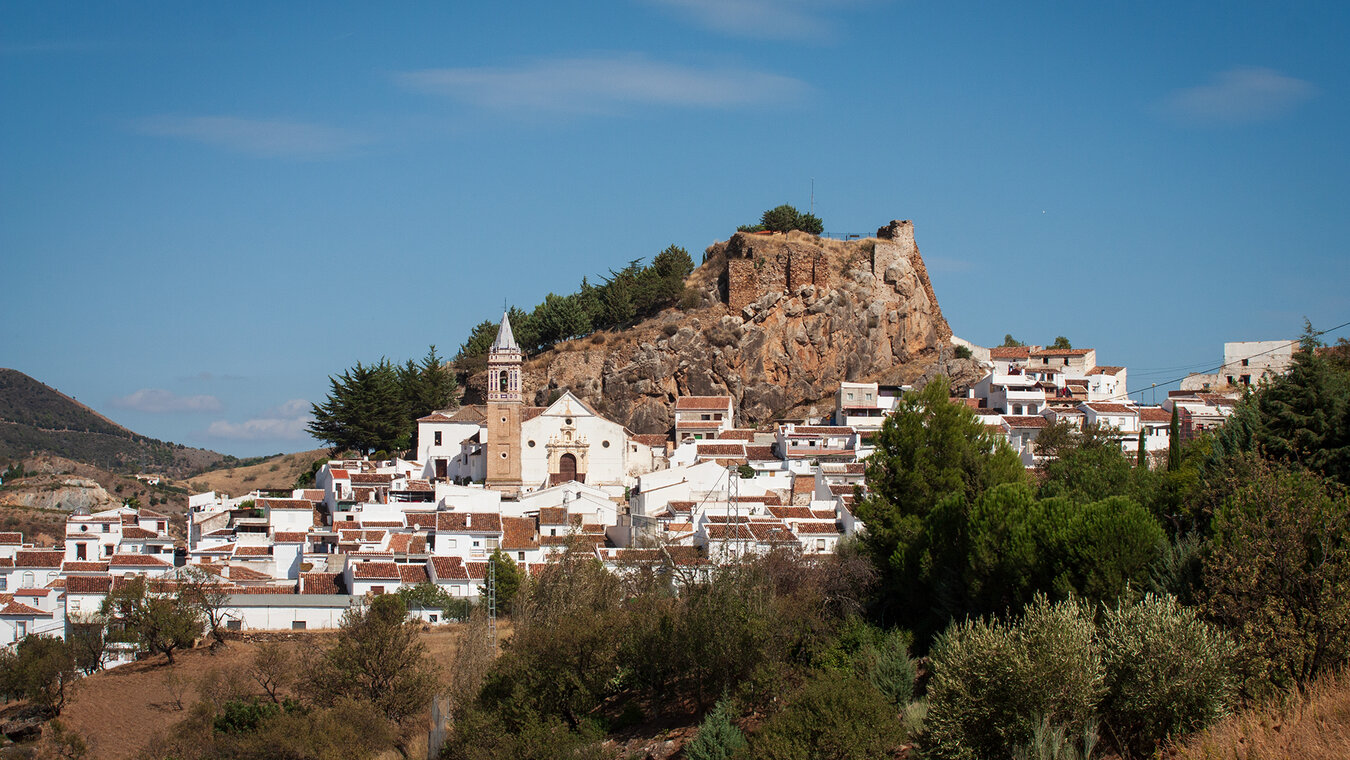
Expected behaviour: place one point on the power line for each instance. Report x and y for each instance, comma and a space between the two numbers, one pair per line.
1315, 334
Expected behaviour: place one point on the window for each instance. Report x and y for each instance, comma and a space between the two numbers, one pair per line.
1246, 362
553, 531
431, 618
234, 625
377, 590
28, 581
850, 396
605, 444
520, 556
820, 544
705, 416
105, 527
530, 443
20, 629
297, 625
476, 544
79, 551
436, 438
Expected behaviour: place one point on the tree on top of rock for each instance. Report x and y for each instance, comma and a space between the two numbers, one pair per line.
786, 218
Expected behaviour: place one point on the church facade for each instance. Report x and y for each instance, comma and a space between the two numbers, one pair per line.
516, 449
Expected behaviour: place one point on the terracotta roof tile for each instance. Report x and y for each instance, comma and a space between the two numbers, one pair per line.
449, 568
518, 534
712, 403
241, 573
372, 478
252, 551
553, 515
289, 537
820, 430
1003, 352
375, 571
136, 560
1016, 421
321, 583
819, 528
39, 558
425, 520
79, 566
469, 522
11, 539
1104, 408
304, 504
655, 440
1061, 352
407, 543
413, 574
1154, 414
88, 584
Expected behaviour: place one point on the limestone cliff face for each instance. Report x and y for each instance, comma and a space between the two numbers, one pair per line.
785, 319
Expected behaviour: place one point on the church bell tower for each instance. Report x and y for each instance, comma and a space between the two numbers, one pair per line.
504, 406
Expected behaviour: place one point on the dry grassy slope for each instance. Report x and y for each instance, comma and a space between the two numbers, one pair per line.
118, 710
279, 472
1313, 725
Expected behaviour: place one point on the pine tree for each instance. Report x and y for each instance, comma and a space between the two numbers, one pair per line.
718, 738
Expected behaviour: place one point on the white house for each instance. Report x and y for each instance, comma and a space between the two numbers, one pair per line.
702, 417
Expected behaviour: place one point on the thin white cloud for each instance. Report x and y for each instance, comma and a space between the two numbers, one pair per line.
772, 19
158, 401
287, 421
603, 84
267, 138
1239, 95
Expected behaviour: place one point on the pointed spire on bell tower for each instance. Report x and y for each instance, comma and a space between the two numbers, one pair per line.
506, 340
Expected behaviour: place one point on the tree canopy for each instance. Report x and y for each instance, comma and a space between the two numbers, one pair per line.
785, 218
633, 292
375, 407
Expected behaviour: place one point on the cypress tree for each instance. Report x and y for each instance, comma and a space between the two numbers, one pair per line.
1143, 456
1174, 442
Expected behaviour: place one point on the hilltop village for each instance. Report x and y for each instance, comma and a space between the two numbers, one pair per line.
524, 483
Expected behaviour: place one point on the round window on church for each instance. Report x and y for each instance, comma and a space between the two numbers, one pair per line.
605, 444
503, 455
531, 444
503, 419
568, 421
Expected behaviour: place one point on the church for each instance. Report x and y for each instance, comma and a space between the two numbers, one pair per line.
517, 449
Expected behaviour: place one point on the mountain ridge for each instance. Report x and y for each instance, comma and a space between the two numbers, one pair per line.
38, 419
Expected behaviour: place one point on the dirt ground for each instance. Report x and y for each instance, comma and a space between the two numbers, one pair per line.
118, 710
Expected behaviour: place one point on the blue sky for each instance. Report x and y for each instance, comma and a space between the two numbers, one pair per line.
205, 211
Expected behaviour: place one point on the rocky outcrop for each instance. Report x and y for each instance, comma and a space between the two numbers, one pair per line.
789, 318
54, 492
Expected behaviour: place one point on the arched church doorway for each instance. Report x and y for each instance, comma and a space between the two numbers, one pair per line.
567, 468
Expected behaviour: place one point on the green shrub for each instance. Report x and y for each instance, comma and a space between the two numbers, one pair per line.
833, 717
718, 738
994, 682
962, 352
1168, 672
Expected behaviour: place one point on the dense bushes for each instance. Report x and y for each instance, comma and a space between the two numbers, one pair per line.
1152, 670
592, 651
1278, 571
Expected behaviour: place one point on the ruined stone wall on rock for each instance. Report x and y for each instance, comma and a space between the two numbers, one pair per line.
771, 265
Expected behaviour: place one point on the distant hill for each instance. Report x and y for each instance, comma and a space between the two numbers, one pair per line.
38, 419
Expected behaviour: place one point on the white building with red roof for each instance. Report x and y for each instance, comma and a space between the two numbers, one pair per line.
702, 417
